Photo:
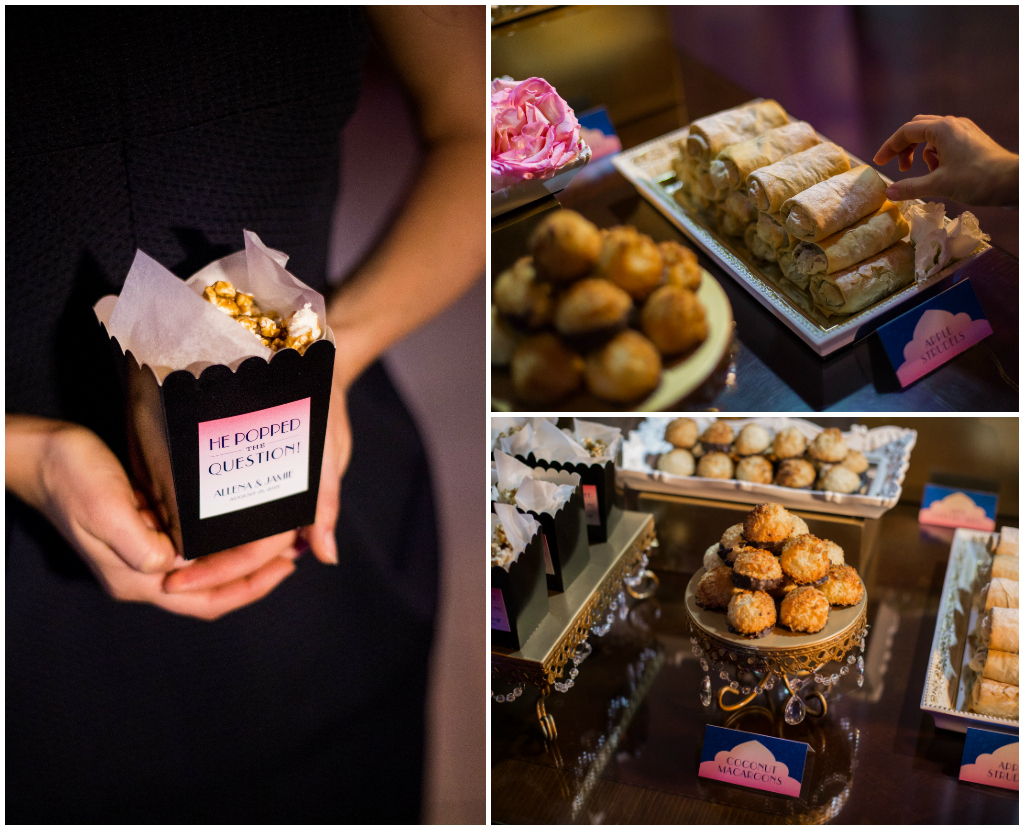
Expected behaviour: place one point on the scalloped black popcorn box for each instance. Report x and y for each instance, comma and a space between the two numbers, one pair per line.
597, 483
567, 548
229, 457
519, 597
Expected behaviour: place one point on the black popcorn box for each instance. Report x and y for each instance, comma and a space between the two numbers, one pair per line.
227, 456
597, 483
519, 596
566, 546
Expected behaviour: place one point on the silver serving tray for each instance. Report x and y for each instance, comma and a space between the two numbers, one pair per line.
949, 676
649, 168
887, 450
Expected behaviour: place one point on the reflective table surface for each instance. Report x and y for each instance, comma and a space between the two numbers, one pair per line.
630, 730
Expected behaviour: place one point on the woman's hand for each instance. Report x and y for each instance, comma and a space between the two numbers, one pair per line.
965, 164
337, 451
67, 473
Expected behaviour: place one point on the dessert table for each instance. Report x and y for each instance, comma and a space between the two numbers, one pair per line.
630, 731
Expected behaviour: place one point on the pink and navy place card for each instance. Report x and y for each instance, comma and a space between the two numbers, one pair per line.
991, 758
759, 762
922, 339
956, 507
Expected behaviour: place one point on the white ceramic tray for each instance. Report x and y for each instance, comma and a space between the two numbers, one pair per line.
649, 168
949, 678
887, 450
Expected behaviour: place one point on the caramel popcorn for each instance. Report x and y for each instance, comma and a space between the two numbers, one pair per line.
501, 548
511, 431
297, 332
595, 446
508, 496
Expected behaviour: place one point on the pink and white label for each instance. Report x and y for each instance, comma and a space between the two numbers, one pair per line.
751, 764
590, 504
499, 616
253, 458
938, 336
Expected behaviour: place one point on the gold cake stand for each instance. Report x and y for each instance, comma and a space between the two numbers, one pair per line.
781, 657
616, 565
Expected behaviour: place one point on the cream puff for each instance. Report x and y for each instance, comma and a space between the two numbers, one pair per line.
591, 311
544, 371
632, 261
673, 319
521, 298
565, 246
626, 368
681, 267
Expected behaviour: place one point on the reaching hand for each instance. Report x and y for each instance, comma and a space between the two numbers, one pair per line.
965, 164
73, 478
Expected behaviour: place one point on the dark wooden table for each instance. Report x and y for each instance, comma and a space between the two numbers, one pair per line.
630, 731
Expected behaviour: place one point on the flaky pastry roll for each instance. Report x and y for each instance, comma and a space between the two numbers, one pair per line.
853, 289
865, 238
713, 133
836, 203
771, 186
731, 167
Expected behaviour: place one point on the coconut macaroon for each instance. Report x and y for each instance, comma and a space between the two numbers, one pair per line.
754, 468
839, 479
718, 437
682, 433
784, 588
751, 614
678, 462
795, 473
843, 586
715, 588
855, 461
732, 538
805, 610
805, 559
768, 526
829, 446
711, 558
835, 553
752, 440
715, 465
789, 443
756, 570
799, 526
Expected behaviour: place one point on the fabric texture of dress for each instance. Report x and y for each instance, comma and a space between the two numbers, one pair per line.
170, 130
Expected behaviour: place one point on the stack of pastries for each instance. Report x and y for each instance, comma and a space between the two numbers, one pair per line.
770, 570
755, 455
996, 689
593, 307
796, 201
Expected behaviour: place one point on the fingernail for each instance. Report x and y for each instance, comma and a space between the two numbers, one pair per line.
892, 192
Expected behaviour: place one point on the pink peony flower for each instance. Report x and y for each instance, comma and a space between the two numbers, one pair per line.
533, 132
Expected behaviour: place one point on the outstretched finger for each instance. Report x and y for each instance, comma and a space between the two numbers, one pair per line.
320, 534
909, 135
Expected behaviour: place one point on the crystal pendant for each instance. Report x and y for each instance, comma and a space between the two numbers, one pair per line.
705, 691
860, 671
795, 711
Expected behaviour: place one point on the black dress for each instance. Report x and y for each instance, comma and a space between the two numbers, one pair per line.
171, 130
